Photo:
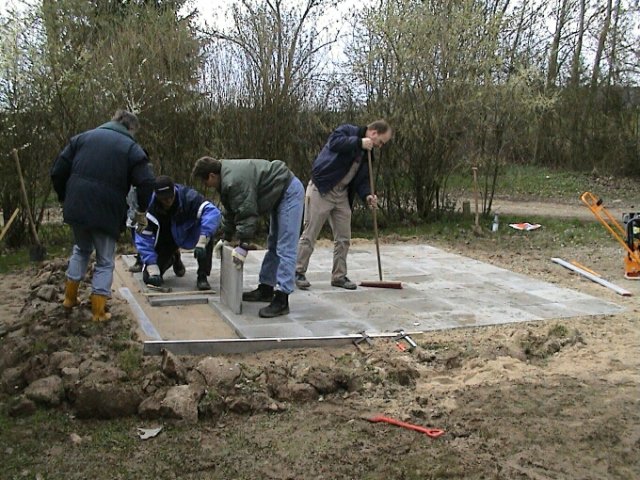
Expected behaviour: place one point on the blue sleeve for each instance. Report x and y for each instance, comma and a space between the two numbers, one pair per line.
209, 219
61, 171
145, 242
342, 140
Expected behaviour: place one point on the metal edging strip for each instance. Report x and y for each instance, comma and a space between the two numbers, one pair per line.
250, 345
144, 322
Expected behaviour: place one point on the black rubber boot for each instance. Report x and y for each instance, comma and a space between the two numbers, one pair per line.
202, 283
264, 293
279, 306
178, 267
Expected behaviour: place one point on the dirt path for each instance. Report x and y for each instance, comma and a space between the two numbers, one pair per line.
576, 210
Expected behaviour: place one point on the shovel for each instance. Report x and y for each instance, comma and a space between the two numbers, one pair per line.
37, 252
381, 283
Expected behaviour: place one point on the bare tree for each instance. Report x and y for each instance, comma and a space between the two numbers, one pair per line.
561, 20
576, 62
604, 32
278, 50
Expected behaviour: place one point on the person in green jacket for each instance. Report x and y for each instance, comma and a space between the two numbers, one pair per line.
249, 188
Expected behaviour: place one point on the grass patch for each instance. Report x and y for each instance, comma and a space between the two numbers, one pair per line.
56, 238
22, 440
526, 181
559, 331
14, 260
130, 360
554, 231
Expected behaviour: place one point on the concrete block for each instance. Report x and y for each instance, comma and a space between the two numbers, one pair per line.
230, 282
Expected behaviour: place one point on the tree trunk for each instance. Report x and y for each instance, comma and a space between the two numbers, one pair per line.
614, 70
595, 74
576, 62
552, 72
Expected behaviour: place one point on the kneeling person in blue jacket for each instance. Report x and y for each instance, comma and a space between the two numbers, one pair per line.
178, 217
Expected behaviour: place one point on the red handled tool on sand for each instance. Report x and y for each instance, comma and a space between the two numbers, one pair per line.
381, 283
430, 432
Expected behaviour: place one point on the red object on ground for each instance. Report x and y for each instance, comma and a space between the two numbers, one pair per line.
431, 432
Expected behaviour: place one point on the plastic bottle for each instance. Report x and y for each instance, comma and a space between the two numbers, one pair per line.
496, 223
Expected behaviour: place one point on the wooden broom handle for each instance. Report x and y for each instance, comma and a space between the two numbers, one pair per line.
375, 216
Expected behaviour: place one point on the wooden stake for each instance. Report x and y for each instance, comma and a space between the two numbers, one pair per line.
8, 225
25, 199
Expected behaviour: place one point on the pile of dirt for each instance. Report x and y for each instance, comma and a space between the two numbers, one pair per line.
58, 359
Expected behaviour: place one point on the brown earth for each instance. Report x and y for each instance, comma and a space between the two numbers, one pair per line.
542, 400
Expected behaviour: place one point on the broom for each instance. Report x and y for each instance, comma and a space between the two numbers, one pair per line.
381, 283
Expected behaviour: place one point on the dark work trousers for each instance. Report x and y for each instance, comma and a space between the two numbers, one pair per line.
133, 242
168, 255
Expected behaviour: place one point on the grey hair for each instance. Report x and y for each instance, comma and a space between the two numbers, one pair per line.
127, 119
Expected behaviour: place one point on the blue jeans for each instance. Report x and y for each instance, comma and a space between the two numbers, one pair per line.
279, 264
86, 240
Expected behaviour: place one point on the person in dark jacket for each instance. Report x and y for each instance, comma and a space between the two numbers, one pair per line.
248, 189
92, 176
178, 217
339, 172
132, 204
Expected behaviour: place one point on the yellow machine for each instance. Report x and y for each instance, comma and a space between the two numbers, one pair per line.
628, 236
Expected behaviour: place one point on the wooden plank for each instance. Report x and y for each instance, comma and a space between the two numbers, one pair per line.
593, 278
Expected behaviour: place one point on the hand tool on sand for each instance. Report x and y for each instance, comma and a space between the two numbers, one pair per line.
380, 283
154, 288
363, 339
402, 335
430, 432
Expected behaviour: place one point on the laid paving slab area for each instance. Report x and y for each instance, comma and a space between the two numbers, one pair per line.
441, 291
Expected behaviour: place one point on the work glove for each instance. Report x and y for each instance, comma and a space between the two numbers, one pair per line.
140, 219
217, 250
200, 251
155, 278
239, 255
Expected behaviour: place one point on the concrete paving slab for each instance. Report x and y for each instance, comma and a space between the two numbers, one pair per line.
441, 290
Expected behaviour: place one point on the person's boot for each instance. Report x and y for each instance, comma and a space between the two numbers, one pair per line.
264, 293
202, 283
71, 294
98, 306
178, 267
301, 281
136, 267
279, 306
